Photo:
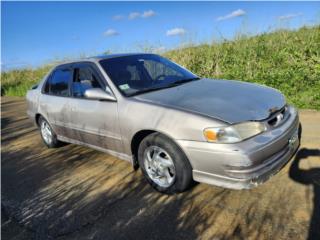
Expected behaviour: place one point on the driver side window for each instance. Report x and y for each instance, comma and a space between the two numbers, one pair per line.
84, 78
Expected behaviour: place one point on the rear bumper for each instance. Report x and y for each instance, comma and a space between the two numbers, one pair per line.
244, 165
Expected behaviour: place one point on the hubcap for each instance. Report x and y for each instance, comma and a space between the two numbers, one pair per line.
46, 132
159, 166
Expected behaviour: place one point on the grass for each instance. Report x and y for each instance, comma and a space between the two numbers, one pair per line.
286, 60
18, 82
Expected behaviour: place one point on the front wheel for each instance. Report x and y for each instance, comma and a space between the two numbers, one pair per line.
164, 165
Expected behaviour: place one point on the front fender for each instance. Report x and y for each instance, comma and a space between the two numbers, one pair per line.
176, 124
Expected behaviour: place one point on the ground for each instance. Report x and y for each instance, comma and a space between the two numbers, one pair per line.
75, 192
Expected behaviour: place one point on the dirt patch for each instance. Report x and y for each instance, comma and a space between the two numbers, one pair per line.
75, 192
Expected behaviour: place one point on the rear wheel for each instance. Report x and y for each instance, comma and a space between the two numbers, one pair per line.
47, 134
164, 165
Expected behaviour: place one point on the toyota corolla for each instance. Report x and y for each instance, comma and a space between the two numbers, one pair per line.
177, 127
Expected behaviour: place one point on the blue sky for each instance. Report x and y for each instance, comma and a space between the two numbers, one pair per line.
34, 33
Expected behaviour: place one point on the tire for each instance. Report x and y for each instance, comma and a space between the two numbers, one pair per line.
48, 135
160, 156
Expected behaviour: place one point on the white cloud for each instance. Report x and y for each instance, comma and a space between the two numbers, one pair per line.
236, 13
110, 32
176, 31
289, 16
134, 15
118, 17
149, 13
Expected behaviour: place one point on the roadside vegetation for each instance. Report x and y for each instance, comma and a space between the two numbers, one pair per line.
18, 82
286, 60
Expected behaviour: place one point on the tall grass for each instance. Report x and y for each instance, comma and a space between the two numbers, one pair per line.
286, 60
18, 82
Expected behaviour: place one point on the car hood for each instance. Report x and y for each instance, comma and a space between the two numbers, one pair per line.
226, 100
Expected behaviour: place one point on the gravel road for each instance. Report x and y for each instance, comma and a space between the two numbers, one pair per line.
75, 192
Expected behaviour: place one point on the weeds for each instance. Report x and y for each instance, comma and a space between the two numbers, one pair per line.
286, 60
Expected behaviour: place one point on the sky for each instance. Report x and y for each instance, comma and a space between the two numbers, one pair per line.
36, 33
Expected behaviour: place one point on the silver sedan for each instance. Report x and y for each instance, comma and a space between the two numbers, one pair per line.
177, 127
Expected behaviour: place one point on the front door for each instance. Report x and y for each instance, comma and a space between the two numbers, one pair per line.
93, 122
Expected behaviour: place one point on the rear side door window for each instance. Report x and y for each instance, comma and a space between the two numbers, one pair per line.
58, 83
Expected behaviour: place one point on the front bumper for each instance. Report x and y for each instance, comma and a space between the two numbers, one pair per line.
246, 164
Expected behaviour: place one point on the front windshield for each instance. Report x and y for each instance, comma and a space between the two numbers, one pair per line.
135, 74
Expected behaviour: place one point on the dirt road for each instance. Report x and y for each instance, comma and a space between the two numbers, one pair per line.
78, 193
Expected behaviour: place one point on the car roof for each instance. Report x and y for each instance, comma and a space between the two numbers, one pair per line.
102, 57
108, 56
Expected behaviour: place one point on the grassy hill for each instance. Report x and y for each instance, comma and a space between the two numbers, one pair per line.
286, 60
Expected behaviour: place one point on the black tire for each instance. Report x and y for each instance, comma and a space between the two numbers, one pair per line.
54, 142
183, 170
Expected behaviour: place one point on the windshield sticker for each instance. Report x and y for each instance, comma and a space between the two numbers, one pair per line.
124, 87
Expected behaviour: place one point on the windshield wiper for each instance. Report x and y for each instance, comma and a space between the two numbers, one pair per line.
145, 90
176, 83
184, 81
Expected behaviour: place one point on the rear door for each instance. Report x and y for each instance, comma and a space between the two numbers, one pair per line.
93, 122
54, 100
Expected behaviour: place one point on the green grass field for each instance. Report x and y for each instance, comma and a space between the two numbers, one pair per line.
286, 60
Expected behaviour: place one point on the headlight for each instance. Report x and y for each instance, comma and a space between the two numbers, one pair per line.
234, 133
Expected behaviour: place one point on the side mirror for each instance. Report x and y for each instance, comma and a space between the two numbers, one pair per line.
99, 94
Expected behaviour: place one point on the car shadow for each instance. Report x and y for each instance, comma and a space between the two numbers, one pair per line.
309, 177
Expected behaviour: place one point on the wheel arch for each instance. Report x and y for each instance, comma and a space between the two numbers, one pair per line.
140, 135
36, 118
135, 142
